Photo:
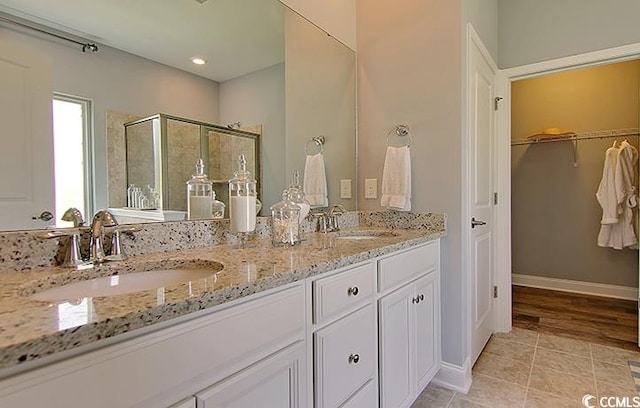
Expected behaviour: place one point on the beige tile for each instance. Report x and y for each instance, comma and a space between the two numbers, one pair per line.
510, 349
606, 389
502, 368
612, 373
459, 401
613, 355
562, 362
564, 385
539, 399
520, 335
571, 346
434, 396
491, 392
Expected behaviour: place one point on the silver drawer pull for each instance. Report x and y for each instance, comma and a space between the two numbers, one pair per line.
354, 358
353, 291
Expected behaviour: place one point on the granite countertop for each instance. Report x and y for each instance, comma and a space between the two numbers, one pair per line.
32, 329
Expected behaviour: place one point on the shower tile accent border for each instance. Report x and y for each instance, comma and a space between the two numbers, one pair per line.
25, 250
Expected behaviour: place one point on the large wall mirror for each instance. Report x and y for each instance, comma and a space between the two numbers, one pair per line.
268, 71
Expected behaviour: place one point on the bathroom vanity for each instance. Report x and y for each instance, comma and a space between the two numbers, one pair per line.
347, 319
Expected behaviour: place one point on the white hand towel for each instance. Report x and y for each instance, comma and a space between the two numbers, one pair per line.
396, 179
315, 181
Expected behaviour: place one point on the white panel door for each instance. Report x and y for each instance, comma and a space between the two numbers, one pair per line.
481, 138
26, 139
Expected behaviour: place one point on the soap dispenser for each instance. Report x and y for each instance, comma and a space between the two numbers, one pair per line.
242, 199
199, 189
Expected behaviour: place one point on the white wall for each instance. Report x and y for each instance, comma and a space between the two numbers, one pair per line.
259, 99
115, 80
533, 31
336, 17
410, 70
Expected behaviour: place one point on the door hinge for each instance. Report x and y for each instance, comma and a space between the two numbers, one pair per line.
495, 291
496, 100
495, 198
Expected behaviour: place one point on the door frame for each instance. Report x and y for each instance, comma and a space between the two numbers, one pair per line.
502, 278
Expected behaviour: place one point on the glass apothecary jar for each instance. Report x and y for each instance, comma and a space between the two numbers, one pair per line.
217, 207
199, 193
285, 222
242, 199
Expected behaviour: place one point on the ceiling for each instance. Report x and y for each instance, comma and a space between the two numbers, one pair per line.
235, 37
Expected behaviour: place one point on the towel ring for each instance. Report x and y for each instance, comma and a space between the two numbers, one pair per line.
402, 132
318, 142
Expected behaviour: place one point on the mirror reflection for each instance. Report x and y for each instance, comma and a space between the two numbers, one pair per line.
265, 66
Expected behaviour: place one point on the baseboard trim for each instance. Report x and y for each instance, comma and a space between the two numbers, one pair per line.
566, 285
454, 377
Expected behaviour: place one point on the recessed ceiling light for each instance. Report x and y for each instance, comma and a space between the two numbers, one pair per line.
198, 61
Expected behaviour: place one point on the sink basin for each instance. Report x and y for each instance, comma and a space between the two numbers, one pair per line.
364, 234
120, 284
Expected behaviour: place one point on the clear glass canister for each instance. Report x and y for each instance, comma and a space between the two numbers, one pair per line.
285, 222
296, 194
217, 207
242, 199
199, 189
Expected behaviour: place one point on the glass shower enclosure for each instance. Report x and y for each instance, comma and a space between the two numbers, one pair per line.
162, 152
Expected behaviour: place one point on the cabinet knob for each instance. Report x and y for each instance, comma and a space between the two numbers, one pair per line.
416, 299
421, 297
353, 291
354, 358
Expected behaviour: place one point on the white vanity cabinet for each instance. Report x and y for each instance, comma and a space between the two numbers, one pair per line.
188, 403
344, 338
409, 324
226, 352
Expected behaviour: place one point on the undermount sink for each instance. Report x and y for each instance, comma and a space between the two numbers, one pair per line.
119, 284
364, 234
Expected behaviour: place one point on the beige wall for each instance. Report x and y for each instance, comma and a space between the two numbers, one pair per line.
320, 100
337, 17
410, 70
555, 215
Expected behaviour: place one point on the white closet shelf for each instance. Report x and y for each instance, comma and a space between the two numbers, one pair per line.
602, 134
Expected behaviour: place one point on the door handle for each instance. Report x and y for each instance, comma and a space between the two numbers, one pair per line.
44, 216
475, 223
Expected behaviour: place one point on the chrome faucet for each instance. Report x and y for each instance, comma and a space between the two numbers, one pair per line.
328, 221
101, 219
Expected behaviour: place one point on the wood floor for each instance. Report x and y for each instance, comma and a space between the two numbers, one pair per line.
600, 320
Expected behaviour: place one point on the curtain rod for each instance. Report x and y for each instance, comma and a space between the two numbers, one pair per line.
86, 46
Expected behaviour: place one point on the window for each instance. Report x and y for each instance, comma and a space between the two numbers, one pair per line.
72, 155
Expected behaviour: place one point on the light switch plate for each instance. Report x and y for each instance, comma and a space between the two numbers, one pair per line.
371, 188
345, 188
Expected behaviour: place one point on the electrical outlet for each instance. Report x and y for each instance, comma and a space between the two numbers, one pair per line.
345, 188
371, 188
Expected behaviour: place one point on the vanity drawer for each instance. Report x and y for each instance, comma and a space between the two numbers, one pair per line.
344, 357
406, 266
342, 291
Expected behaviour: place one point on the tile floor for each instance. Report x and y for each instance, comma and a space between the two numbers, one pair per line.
525, 368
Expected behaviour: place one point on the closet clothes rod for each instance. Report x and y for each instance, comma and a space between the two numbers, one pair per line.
606, 134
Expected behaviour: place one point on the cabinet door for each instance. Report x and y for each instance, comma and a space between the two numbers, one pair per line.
395, 347
275, 382
427, 330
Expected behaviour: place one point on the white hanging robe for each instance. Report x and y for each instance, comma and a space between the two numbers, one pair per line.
617, 197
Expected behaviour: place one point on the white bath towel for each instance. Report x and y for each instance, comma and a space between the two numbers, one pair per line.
396, 179
315, 181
